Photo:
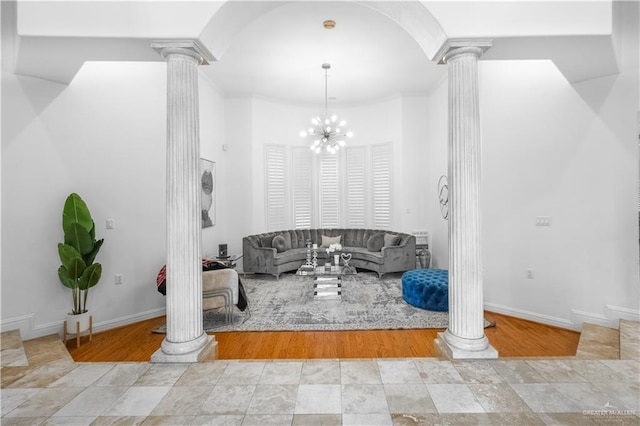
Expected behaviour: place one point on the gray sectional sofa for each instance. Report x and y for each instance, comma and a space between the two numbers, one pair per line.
376, 250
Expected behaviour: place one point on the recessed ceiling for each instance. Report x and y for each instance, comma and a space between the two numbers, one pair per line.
280, 56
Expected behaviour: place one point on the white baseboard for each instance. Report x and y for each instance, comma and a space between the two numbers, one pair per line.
29, 330
579, 318
24, 323
531, 316
611, 318
623, 313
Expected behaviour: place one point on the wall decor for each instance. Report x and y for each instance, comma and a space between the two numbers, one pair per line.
208, 185
443, 196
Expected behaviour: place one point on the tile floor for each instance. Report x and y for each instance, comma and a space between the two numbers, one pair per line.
326, 392
42, 385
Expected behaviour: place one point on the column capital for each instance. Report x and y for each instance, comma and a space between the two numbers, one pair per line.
193, 48
452, 47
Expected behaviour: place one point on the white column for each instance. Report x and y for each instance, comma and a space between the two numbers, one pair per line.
185, 340
464, 338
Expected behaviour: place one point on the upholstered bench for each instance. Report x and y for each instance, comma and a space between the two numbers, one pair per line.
426, 289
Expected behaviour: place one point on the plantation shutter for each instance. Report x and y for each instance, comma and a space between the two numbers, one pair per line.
302, 167
275, 191
329, 191
356, 187
381, 166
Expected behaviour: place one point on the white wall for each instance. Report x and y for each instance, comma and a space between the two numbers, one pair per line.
565, 151
437, 134
104, 137
212, 148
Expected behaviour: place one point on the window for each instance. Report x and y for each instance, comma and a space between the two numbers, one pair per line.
356, 191
275, 187
329, 190
381, 166
303, 194
352, 188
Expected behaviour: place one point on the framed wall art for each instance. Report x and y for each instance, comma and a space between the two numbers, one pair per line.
208, 185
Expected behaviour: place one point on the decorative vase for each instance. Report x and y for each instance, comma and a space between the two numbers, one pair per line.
83, 319
336, 259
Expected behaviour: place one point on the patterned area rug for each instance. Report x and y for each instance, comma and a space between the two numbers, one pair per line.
367, 303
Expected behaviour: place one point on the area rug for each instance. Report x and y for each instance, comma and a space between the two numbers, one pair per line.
367, 303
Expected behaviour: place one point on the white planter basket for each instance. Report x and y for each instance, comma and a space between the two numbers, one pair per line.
77, 324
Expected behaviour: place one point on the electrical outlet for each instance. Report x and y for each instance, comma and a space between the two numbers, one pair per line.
119, 279
529, 274
543, 220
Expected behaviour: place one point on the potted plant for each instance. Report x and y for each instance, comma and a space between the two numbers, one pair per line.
77, 254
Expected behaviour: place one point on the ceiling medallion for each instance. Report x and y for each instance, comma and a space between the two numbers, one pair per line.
329, 24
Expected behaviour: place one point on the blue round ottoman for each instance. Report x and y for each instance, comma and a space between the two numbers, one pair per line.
426, 289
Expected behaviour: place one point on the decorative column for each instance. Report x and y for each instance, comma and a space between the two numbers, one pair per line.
185, 340
464, 338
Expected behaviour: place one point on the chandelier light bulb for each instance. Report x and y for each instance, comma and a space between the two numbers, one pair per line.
303, 134
331, 137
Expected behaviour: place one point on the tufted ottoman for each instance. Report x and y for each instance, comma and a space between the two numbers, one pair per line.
426, 289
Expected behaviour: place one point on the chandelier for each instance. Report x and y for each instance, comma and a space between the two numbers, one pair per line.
329, 134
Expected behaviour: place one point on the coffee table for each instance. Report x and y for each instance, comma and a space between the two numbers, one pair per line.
327, 283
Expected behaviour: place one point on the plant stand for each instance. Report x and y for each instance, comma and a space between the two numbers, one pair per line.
78, 332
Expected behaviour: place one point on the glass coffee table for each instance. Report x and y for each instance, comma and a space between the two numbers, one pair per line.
327, 282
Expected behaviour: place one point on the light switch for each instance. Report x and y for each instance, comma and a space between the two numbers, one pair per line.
110, 223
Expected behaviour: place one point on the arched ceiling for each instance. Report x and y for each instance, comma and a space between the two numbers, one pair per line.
279, 55
275, 48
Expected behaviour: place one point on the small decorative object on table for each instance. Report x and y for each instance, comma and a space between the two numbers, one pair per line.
308, 252
333, 248
314, 260
346, 258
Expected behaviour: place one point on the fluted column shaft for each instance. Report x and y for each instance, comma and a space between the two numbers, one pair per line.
185, 333
465, 333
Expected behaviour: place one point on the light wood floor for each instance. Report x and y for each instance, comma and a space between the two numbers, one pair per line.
512, 337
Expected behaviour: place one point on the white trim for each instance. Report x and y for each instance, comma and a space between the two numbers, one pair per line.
580, 317
24, 323
531, 316
28, 330
622, 313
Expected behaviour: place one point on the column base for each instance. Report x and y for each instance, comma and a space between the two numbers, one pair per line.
198, 355
449, 352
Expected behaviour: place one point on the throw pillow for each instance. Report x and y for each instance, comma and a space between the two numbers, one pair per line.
327, 241
279, 243
287, 240
375, 242
391, 240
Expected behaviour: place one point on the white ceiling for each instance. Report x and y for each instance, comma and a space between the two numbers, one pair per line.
280, 55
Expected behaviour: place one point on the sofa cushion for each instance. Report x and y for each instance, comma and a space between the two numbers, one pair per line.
327, 241
299, 235
350, 238
279, 243
375, 242
391, 240
266, 240
363, 254
293, 255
